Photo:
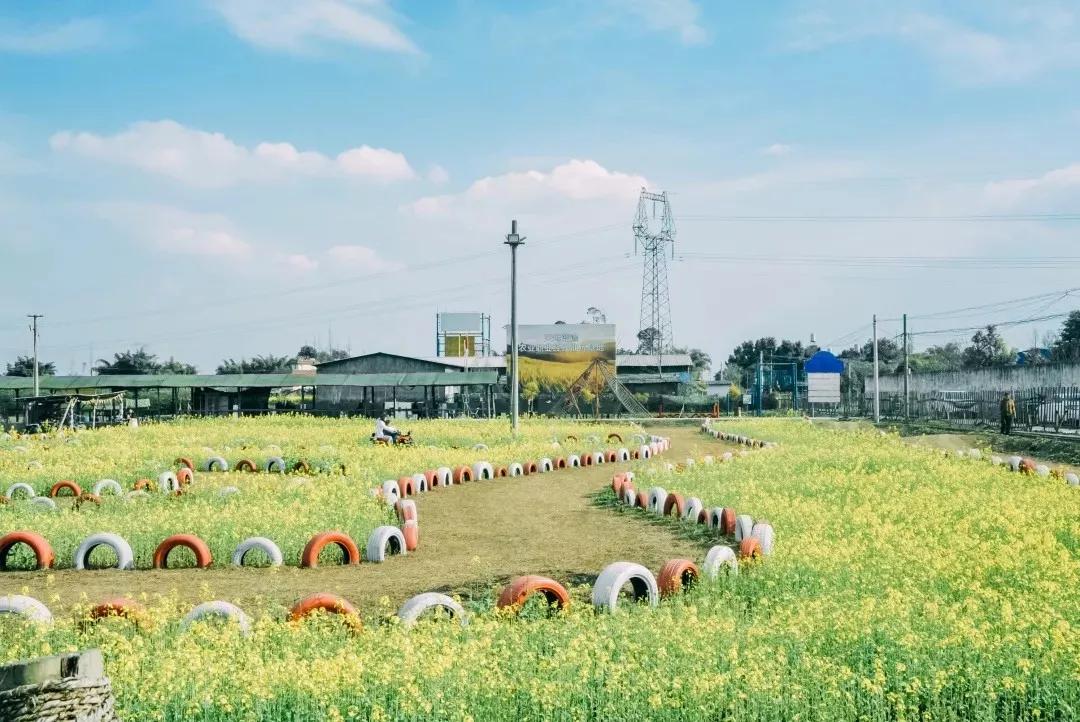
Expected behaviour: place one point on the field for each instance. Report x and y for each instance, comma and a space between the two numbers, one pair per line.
904, 585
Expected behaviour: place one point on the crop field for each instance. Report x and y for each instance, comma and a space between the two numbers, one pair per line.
903, 584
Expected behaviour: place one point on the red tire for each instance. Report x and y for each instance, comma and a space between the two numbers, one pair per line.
411, 531
519, 590
330, 603
66, 484
184, 461
184, 476
750, 548
617, 483
674, 503
560, 463
405, 512
87, 498
676, 576
462, 474
203, 557
245, 465
43, 551
642, 500
586, 460
531, 467
612, 457
1027, 466
309, 558
301, 467
727, 521
117, 607
501, 472
635, 454
432, 479
405, 486
146, 484
703, 517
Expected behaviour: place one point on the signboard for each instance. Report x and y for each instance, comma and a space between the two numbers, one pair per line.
462, 334
457, 345
465, 324
554, 355
823, 388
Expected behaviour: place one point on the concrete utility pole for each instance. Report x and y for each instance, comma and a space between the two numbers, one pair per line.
907, 372
877, 384
513, 240
760, 378
34, 318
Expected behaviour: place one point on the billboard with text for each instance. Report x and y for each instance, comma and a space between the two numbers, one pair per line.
554, 355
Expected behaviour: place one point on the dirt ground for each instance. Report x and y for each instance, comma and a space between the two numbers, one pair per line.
472, 538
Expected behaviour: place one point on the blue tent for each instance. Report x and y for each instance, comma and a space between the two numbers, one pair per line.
824, 362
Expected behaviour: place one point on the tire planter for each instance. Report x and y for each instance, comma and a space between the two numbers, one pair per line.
560, 463
531, 468
573, 461
117, 607
66, 484
309, 558
39, 545
26, 607
330, 603
598, 457
744, 526
245, 465
611, 457
275, 465
502, 472
406, 487
610, 582
216, 463
693, 510
1072, 479
483, 471
444, 476
417, 606
645, 452
515, 593
406, 510
167, 482
184, 476
720, 558
545, 465
587, 459
674, 505
87, 498
676, 576
390, 492
657, 499
301, 467
618, 482
420, 483
411, 531
198, 547
144, 485
462, 474
432, 478
384, 541
629, 496
125, 559
613, 438
110, 485
218, 610
727, 521
763, 532
750, 548
184, 461
44, 502
28, 491
642, 500
516, 469
623, 454
261, 543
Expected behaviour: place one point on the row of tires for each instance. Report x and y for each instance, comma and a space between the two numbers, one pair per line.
271, 465
755, 539
384, 541
706, 427
1027, 466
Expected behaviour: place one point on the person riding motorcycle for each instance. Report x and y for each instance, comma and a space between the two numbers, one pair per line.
385, 432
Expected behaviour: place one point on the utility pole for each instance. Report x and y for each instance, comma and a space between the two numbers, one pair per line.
907, 372
877, 383
513, 240
760, 378
34, 318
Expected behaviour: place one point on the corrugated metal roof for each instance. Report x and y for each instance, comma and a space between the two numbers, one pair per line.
647, 360
73, 383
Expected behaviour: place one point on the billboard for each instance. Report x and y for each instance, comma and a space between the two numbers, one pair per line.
462, 334
462, 324
554, 355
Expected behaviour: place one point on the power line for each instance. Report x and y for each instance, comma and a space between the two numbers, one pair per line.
964, 218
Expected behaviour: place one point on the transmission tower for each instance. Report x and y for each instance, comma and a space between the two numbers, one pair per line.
651, 239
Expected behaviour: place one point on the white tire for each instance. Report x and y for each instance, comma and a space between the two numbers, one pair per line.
974, 453
216, 463
657, 498
1072, 479
629, 496
26, 607
421, 483
544, 465
629, 476
1042, 470
719, 558
44, 503
390, 492
483, 471
689, 462
694, 507
715, 515
168, 482
136, 494
219, 610
614, 577
624, 454
645, 452
480, 447
275, 464
384, 540
125, 559
266, 546
417, 606
669, 467
111, 485
516, 469
573, 461
744, 526
26, 489
639, 439
996, 460
34, 465
763, 531
1014, 463
598, 457
443, 476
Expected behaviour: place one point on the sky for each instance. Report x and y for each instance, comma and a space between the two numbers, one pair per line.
227, 178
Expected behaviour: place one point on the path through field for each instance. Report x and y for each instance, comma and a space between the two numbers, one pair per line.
473, 536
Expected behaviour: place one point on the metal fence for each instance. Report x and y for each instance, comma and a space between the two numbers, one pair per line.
1044, 409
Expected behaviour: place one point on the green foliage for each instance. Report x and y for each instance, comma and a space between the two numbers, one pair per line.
987, 349
24, 366
1067, 348
138, 361
172, 366
268, 364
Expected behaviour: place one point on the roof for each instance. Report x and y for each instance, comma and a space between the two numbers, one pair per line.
440, 361
823, 362
668, 360
650, 360
271, 381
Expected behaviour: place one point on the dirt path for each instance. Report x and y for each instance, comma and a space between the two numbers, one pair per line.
472, 537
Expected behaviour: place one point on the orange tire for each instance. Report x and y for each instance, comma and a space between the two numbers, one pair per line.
560, 463
618, 483
405, 486
43, 551
184, 461
1027, 466
635, 454
703, 517
87, 498
309, 558
184, 476
586, 460
462, 474
642, 500
612, 457
520, 589
750, 548
245, 465
301, 467
432, 479
66, 484
146, 484
330, 603
190, 541
676, 576
405, 512
411, 531
614, 437
727, 521
501, 472
117, 607
674, 503
531, 467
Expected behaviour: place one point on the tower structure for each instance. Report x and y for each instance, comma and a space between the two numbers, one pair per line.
652, 237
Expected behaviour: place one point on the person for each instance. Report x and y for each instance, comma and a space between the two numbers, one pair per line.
131, 420
1008, 412
385, 432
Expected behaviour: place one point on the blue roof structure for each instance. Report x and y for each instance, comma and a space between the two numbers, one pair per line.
824, 362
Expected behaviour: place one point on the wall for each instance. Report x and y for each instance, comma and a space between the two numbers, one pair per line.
1007, 378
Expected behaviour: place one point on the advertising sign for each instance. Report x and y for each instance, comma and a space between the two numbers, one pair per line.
554, 355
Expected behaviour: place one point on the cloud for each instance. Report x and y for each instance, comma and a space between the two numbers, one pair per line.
777, 149
1051, 186
176, 231
303, 26
361, 258
575, 180
680, 16
300, 262
72, 36
438, 175
212, 160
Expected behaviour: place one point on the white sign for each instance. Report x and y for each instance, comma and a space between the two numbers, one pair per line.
747, 400
823, 388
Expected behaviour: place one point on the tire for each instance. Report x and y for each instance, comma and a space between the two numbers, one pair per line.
744, 526
462, 474
185, 476
275, 464
44, 502
720, 558
545, 465
586, 459
618, 481
629, 496
185, 461
110, 485
246, 465
560, 463
1042, 470
531, 468
144, 484
514, 594
1014, 463
135, 494
117, 607
1072, 479
727, 456
516, 469
39, 545
301, 467
598, 457
330, 603
689, 463
406, 487
573, 461
216, 463
750, 548
707, 459
203, 557
714, 517
609, 583
411, 531
66, 484
383, 542
624, 454
87, 498
693, 509
168, 482
261, 543
309, 558
674, 505
22, 486
676, 576
26, 607
445, 476
657, 498
220, 610
642, 500
480, 447
763, 532
645, 452
406, 510
417, 606
125, 559
727, 521
611, 457
501, 472
613, 437
390, 492
483, 471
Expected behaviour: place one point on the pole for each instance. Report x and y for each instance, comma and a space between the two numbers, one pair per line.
877, 384
760, 378
907, 372
34, 317
513, 240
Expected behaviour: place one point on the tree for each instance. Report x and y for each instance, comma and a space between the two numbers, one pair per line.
987, 349
649, 340
322, 356
948, 357
24, 366
530, 391
701, 360
268, 364
172, 366
138, 361
889, 352
1067, 346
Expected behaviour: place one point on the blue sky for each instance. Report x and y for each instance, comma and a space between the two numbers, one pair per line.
228, 178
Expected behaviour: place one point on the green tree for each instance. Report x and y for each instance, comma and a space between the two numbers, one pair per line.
24, 366
987, 349
138, 361
530, 390
322, 355
172, 366
268, 364
947, 357
1067, 347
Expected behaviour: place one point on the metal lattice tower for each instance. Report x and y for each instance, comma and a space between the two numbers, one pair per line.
651, 239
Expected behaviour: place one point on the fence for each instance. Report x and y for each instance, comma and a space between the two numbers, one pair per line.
1048, 408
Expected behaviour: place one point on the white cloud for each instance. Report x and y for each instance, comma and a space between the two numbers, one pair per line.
302, 26
438, 175
680, 16
300, 262
212, 160
777, 149
74, 35
177, 231
1050, 186
360, 258
575, 180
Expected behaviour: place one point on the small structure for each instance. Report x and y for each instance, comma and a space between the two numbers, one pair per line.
62, 688
823, 371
